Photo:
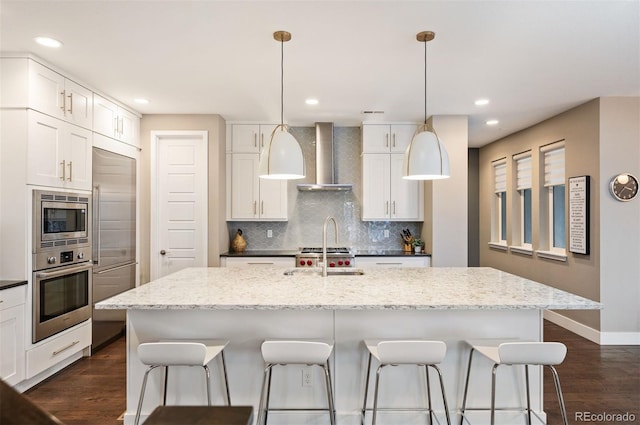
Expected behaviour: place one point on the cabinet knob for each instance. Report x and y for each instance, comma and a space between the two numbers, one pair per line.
163, 252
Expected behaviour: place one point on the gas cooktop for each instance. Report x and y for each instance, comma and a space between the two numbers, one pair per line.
336, 257
329, 250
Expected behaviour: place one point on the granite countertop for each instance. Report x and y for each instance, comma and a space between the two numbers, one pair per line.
6, 284
267, 288
292, 253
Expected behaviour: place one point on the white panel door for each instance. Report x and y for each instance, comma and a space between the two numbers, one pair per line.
406, 195
46, 92
179, 238
45, 150
375, 187
78, 157
245, 188
78, 104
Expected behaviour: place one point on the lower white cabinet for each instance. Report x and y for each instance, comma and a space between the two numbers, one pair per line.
57, 348
387, 261
257, 261
12, 334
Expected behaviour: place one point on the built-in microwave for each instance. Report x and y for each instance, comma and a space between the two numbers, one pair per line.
61, 222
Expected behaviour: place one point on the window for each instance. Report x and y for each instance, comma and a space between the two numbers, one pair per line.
523, 187
555, 198
499, 204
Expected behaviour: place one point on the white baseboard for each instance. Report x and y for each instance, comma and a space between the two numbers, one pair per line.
601, 338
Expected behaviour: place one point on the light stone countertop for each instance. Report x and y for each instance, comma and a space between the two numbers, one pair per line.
267, 288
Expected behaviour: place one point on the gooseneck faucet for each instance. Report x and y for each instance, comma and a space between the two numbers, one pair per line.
324, 241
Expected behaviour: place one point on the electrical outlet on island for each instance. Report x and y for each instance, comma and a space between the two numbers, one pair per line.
307, 377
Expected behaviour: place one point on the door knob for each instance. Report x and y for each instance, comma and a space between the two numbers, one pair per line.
163, 252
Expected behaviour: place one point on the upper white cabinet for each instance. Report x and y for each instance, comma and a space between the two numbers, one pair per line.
386, 195
253, 198
12, 334
29, 84
386, 138
250, 138
58, 153
115, 121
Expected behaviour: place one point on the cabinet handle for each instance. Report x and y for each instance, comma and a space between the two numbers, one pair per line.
120, 126
255, 206
394, 207
386, 140
63, 106
262, 140
255, 140
70, 103
64, 170
261, 207
115, 126
394, 140
55, 353
70, 170
386, 208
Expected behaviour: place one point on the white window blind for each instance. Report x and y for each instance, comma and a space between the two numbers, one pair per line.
554, 165
523, 171
500, 176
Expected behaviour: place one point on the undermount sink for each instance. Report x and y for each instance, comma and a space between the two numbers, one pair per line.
344, 271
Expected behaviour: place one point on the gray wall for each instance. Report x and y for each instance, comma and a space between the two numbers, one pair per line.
602, 139
473, 202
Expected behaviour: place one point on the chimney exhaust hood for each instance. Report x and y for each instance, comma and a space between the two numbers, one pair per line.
325, 170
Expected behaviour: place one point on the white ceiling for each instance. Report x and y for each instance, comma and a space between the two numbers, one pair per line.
532, 59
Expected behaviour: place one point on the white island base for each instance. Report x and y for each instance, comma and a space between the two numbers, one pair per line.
400, 386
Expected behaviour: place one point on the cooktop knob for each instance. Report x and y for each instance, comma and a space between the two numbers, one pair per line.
309, 262
51, 260
332, 264
302, 262
80, 255
347, 262
340, 262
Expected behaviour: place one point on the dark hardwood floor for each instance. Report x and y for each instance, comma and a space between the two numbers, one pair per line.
596, 379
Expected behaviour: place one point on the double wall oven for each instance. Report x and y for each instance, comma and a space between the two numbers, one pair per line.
61, 261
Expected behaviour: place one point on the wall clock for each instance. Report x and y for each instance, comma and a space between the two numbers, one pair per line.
624, 187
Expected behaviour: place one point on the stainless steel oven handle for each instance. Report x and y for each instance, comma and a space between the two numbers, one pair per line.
63, 271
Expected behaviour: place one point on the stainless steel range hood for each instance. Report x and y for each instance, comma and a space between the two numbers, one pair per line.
325, 170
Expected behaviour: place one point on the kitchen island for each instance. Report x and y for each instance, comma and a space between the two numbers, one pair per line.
248, 305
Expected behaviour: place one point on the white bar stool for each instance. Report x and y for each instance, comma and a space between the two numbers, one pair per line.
180, 353
287, 352
405, 352
513, 353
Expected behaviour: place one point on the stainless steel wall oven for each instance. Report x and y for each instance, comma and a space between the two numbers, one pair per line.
62, 266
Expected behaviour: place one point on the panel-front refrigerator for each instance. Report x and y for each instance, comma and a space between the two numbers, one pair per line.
114, 239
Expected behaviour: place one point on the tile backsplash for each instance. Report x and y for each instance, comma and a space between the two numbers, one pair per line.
308, 210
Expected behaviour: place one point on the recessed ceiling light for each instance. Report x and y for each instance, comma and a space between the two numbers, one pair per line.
481, 102
492, 122
141, 101
48, 42
311, 101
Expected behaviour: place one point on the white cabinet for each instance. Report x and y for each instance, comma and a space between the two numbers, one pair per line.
12, 334
29, 84
386, 195
58, 348
115, 121
253, 198
58, 153
250, 138
55, 95
257, 261
397, 261
386, 138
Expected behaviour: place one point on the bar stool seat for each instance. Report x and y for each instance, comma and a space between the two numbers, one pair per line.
301, 352
180, 353
405, 352
517, 353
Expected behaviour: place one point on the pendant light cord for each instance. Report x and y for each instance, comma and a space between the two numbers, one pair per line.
425, 82
282, 82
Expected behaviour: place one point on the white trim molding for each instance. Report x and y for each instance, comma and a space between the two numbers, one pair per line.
600, 338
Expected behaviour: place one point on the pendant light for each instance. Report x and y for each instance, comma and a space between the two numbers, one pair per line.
282, 158
426, 157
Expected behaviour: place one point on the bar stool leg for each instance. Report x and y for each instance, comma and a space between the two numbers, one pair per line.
226, 380
375, 395
466, 388
142, 390
164, 387
208, 382
366, 390
526, 376
327, 374
426, 372
262, 407
556, 381
444, 396
494, 370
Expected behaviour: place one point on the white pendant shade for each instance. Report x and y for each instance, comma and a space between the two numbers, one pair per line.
426, 158
282, 158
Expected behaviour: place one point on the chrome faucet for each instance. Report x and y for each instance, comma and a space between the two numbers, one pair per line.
324, 241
